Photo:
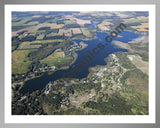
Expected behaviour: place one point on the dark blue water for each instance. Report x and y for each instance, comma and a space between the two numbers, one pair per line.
77, 70
92, 26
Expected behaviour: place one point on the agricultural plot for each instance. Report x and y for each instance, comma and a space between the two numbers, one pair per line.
68, 32
33, 23
36, 16
57, 62
141, 19
121, 15
57, 58
46, 41
20, 56
21, 22
61, 31
143, 27
69, 22
139, 63
40, 37
22, 36
19, 68
30, 29
20, 61
82, 22
105, 25
86, 32
29, 45
35, 29
51, 25
57, 54
76, 31
52, 34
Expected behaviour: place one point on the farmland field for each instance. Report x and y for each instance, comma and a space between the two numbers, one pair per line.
20, 55
21, 67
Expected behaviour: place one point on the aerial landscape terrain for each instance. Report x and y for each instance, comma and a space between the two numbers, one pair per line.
80, 63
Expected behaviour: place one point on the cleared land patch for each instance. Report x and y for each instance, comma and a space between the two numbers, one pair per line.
139, 63
121, 15
142, 27
28, 45
57, 58
19, 68
70, 31
122, 45
51, 25
76, 31
86, 32
21, 22
141, 19
104, 25
46, 41
138, 40
20, 56
78, 99
20, 61
80, 21
34, 29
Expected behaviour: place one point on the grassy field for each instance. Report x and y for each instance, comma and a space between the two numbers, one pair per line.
20, 61
46, 41
135, 83
121, 15
27, 45
19, 68
57, 61
20, 56
136, 91
52, 26
57, 54
33, 23
21, 22
121, 45
70, 22
141, 19
33, 29
86, 32
40, 37
56, 58
76, 31
53, 34
142, 27
13, 48
139, 63
104, 25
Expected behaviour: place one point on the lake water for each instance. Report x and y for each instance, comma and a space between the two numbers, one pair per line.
92, 25
40, 82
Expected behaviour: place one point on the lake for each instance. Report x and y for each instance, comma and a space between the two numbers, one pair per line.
40, 82
92, 25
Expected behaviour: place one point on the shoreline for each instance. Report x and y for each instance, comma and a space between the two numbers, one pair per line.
74, 55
